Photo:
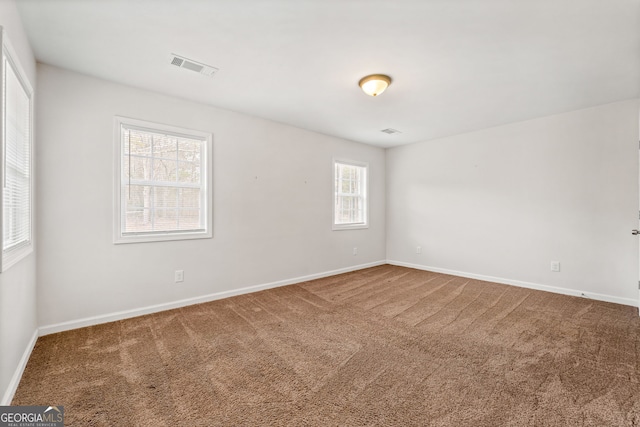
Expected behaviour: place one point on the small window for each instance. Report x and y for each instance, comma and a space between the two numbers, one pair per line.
16, 150
350, 195
163, 189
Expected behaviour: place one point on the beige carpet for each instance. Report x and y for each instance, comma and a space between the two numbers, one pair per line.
386, 346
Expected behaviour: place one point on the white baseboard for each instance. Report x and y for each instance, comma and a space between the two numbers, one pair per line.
105, 318
111, 317
17, 375
529, 285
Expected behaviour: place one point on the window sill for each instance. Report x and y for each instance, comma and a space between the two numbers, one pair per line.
337, 227
14, 256
164, 237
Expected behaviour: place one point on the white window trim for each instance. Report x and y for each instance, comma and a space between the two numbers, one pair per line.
358, 226
118, 237
18, 252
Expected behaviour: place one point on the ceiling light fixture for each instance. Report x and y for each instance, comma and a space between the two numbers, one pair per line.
374, 84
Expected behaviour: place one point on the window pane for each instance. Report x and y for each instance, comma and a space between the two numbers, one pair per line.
137, 197
17, 161
350, 194
165, 147
151, 208
136, 142
161, 181
165, 197
189, 150
345, 187
164, 170
138, 167
165, 220
188, 172
190, 198
189, 219
138, 221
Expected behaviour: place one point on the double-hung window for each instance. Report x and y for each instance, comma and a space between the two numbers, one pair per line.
17, 116
350, 195
162, 189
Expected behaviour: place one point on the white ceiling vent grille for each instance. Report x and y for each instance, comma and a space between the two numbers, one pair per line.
390, 131
198, 67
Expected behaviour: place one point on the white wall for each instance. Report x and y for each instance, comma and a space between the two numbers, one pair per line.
18, 319
506, 201
270, 228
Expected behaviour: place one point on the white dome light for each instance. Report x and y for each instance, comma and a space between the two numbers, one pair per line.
374, 84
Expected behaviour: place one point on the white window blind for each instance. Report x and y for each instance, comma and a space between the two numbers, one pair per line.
162, 187
350, 195
16, 179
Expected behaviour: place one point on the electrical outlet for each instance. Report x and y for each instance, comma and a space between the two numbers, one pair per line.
179, 276
419, 250
355, 251
555, 266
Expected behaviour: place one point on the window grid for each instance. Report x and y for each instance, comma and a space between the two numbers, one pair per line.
161, 182
16, 170
155, 207
350, 192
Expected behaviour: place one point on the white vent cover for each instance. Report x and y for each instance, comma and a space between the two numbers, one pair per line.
198, 67
390, 131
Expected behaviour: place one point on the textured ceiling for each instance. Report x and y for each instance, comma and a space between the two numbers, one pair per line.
457, 65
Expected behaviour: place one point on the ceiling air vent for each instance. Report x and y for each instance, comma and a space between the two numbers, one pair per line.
198, 67
390, 131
